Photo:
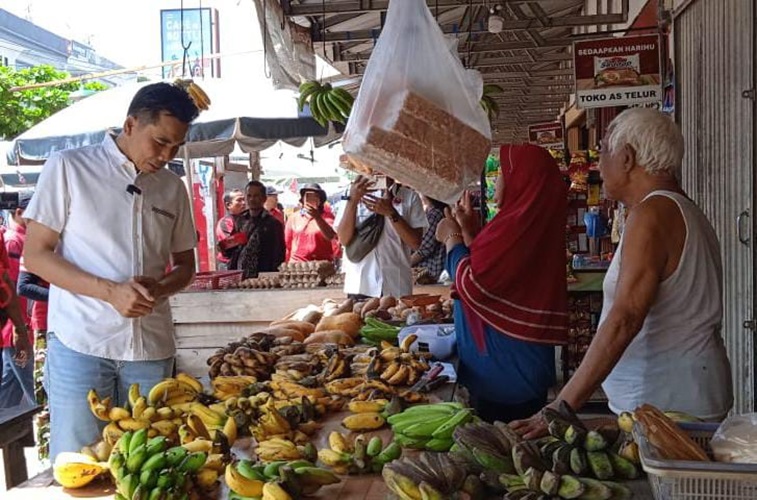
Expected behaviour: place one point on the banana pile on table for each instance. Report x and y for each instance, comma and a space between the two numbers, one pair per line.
160, 412
250, 356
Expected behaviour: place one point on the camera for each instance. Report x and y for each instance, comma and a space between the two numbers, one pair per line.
9, 200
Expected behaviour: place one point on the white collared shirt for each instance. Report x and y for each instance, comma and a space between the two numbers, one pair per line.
111, 233
386, 270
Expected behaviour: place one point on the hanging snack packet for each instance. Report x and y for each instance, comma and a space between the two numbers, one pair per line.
417, 117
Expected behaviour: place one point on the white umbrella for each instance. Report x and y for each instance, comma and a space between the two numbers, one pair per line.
248, 113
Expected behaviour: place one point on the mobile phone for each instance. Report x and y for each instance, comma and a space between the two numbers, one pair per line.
378, 182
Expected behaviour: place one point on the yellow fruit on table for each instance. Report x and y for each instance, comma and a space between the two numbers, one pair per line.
274, 491
363, 421
242, 485
75, 470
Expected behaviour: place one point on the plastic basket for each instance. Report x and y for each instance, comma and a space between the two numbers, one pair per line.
691, 480
215, 280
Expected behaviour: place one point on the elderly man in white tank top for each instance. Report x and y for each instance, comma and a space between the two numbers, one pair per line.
659, 339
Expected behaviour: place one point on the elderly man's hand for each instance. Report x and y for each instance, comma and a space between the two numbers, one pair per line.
531, 428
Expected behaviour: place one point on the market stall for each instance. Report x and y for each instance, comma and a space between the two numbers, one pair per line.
208, 320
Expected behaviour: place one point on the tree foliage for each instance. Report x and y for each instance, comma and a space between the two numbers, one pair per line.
19, 111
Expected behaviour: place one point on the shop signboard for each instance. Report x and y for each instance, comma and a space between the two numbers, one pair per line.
197, 28
618, 71
547, 135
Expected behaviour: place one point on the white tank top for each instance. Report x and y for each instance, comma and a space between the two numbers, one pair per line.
678, 360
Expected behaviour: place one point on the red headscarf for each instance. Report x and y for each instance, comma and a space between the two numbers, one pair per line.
514, 278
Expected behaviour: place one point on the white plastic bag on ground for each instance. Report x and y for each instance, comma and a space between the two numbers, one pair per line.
417, 117
736, 440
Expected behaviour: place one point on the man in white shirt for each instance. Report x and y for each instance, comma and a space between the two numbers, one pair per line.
110, 229
386, 269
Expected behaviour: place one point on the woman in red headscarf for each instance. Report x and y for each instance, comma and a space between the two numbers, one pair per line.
511, 286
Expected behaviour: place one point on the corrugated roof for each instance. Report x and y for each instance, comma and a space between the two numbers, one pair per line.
531, 58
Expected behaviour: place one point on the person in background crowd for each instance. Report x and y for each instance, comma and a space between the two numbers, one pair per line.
17, 382
32, 287
264, 248
234, 202
380, 263
309, 233
3, 227
506, 332
659, 339
110, 228
272, 204
431, 255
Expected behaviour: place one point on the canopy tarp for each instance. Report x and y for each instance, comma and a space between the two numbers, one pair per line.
250, 114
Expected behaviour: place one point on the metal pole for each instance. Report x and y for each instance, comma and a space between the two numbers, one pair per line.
191, 189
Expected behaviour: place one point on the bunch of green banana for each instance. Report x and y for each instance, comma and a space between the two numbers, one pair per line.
327, 104
488, 103
432, 476
362, 455
276, 479
572, 448
145, 468
429, 427
481, 446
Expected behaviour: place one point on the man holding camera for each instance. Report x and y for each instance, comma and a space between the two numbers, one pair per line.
379, 226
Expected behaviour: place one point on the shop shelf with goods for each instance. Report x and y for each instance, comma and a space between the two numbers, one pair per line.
590, 244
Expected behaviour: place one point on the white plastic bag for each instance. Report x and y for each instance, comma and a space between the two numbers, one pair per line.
736, 440
417, 116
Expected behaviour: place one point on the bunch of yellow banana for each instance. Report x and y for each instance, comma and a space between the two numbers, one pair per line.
326, 103
397, 365
176, 390
225, 387
337, 367
75, 470
274, 449
198, 96
291, 479
270, 423
285, 389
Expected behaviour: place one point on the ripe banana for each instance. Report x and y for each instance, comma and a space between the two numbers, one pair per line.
160, 391
74, 470
363, 421
112, 433
208, 416
230, 430
242, 485
199, 445
133, 394
99, 408
198, 427
117, 413
407, 342
371, 406
192, 382
164, 427
274, 491
134, 424
206, 478
338, 443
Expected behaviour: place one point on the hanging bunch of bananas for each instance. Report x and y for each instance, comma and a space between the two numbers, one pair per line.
359, 455
327, 104
198, 96
148, 468
278, 480
488, 103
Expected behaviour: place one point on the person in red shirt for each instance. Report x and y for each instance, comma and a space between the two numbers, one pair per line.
272, 204
235, 204
309, 233
16, 370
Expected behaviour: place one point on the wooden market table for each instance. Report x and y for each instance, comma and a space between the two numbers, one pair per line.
16, 432
209, 320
